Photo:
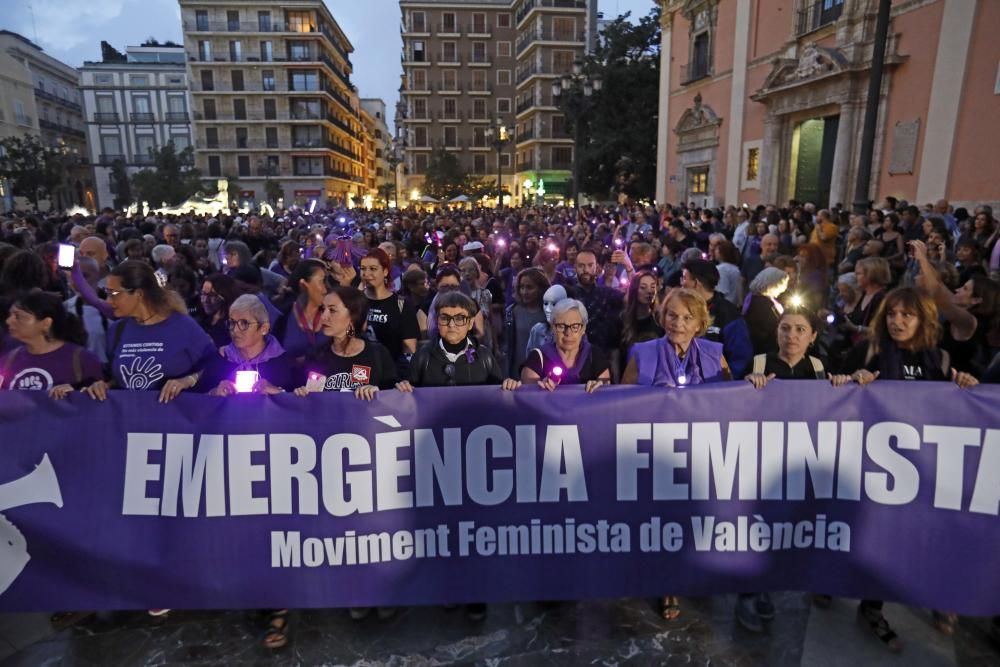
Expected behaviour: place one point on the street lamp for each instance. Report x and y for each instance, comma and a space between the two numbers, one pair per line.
499, 136
573, 94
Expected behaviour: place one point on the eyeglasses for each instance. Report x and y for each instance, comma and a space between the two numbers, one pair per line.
448, 320
576, 327
115, 293
242, 325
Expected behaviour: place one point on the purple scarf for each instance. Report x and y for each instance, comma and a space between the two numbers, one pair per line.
272, 349
551, 359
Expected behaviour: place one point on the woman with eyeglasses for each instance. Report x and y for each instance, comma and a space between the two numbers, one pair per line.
154, 345
449, 279
569, 357
253, 352
299, 329
455, 358
349, 362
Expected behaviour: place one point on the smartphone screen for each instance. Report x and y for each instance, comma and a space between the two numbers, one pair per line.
67, 255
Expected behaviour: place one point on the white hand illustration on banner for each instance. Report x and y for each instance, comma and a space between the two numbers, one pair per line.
143, 373
39, 486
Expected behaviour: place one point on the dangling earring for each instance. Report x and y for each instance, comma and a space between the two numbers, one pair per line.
351, 333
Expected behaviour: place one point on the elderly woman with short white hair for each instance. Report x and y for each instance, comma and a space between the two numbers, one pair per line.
254, 362
568, 358
762, 310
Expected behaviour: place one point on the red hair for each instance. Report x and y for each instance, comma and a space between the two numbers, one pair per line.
383, 258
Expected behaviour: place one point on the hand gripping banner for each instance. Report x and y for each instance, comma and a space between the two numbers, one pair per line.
474, 494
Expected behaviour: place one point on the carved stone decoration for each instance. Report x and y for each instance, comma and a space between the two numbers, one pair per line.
698, 127
904, 146
813, 62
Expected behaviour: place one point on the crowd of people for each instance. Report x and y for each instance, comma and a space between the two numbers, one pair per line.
368, 301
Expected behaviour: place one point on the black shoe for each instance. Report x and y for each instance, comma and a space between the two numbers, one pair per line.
746, 614
476, 611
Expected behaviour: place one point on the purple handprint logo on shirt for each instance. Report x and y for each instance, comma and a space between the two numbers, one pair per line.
143, 373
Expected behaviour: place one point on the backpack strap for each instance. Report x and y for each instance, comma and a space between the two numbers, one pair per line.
759, 363
818, 368
77, 366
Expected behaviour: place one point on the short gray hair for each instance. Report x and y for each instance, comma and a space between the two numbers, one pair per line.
468, 261
566, 305
162, 252
252, 304
767, 279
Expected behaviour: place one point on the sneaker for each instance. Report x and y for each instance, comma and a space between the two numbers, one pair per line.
158, 613
359, 613
746, 613
476, 611
764, 607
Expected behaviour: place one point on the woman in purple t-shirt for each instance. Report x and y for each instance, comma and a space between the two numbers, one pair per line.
51, 356
154, 344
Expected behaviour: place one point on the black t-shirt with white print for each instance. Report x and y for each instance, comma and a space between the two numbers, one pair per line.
372, 365
390, 325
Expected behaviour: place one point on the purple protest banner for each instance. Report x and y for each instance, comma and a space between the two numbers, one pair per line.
473, 494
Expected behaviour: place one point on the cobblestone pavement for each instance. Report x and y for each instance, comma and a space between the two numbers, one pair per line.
614, 632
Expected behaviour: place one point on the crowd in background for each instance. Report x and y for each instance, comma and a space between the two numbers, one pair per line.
363, 301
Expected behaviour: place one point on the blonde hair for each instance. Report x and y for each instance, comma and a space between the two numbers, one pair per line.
694, 302
876, 270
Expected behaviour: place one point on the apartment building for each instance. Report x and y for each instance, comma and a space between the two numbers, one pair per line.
52, 111
379, 170
274, 106
762, 102
473, 65
134, 103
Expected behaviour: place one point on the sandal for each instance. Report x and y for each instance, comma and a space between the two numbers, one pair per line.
277, 630
945, 622
670, 607
876, 622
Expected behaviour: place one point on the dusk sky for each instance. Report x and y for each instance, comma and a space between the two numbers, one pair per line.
72, 30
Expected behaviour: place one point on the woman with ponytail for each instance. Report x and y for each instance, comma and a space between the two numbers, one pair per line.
51, 356
155, 344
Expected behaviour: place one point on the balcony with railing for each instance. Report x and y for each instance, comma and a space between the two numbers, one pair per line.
817, 14
448, 29
142, 117
549, 35
143, 160
479, 59
343, 151
531, 5
109, 158
480, 90
177, 117
106, 117
479, 30
46, 95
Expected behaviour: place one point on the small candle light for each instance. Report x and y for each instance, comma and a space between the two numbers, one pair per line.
245, 381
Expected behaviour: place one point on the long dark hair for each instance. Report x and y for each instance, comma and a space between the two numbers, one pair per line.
136, 275
357, 305
65, 326
630, 319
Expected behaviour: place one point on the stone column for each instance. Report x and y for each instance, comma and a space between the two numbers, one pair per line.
663, 114
770, 160
843, 166
737, 100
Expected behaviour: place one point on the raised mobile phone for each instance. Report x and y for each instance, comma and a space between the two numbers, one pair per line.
67, 255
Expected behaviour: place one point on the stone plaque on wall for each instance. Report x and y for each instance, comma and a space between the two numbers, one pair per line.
904, 146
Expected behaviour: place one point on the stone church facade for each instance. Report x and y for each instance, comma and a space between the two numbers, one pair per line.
762, 101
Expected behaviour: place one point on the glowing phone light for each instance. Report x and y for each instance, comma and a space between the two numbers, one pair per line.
245, 381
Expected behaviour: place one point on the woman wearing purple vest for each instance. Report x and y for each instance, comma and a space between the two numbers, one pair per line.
679, 359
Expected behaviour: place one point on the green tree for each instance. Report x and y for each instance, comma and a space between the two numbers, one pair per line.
273, 191
444, 177
619, 133
172, 179
36, 170
120, 185
385, 192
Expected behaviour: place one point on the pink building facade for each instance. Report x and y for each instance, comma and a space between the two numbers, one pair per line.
763, 101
